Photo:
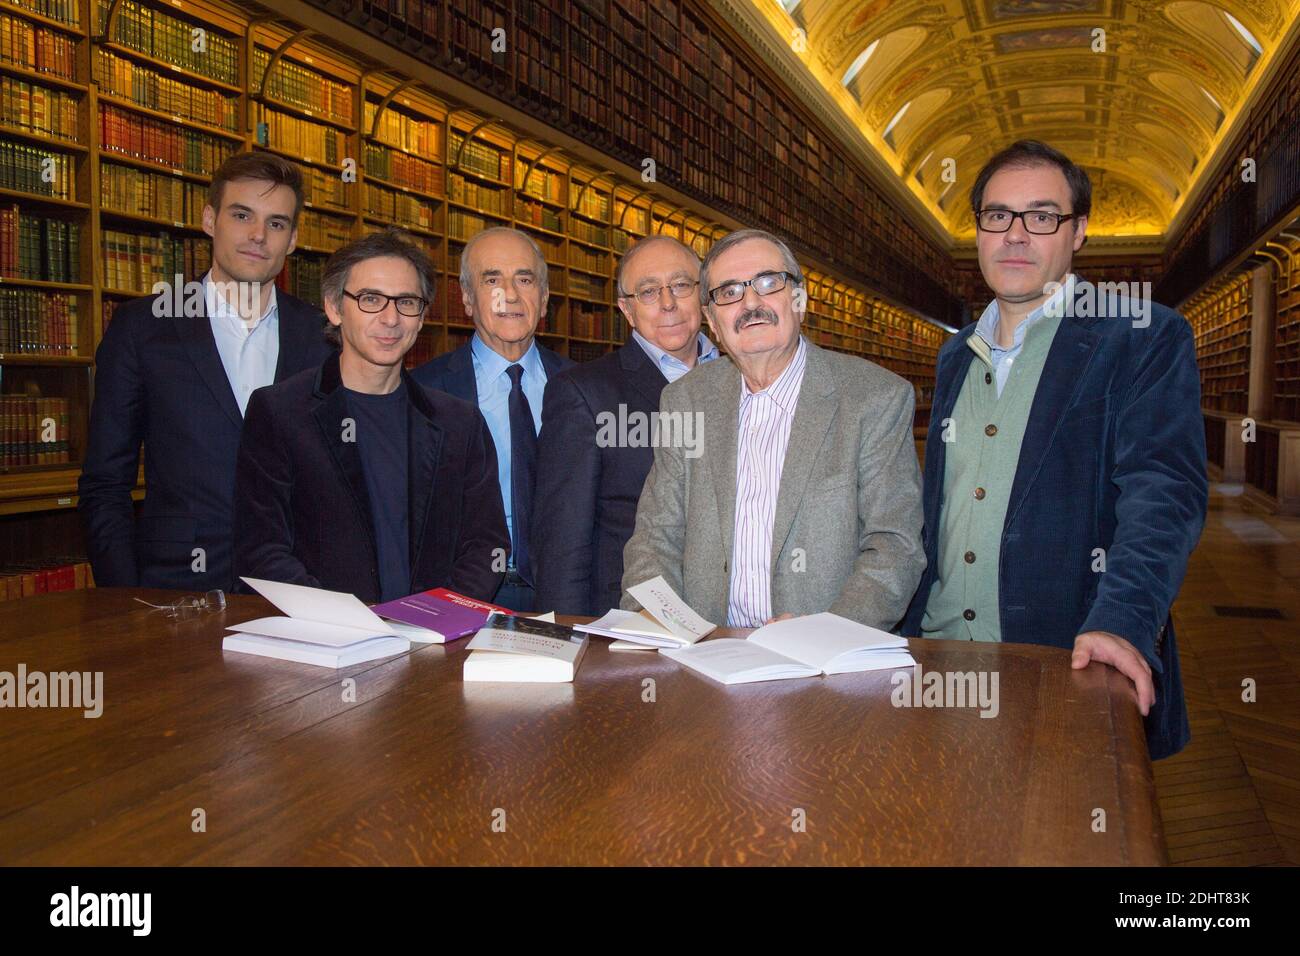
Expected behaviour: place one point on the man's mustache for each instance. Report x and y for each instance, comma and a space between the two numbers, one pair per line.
762, 312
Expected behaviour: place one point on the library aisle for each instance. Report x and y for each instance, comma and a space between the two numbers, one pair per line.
854, 129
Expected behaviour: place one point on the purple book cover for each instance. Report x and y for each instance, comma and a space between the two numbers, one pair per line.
450, 614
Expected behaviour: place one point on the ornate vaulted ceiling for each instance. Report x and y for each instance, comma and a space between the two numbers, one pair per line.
1139, 92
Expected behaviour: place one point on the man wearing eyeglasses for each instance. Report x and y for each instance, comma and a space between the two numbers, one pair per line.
503, 370
587, 484
352, 476
806, 494
1065, 470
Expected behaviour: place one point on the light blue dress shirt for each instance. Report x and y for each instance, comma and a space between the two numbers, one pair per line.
671, 366
987, 329
493, 384
249, 353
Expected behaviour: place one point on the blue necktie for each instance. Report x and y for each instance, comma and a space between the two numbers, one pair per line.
523, 470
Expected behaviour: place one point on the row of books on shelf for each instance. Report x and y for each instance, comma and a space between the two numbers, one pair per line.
138, 192
301, 277
166, 144
322, 188
33, 247
300, 138
591, 287
323, 232
479, 157
37, 47
584, 258
161, 36
40, 172
295, 85
535, 214
543, 183
133, 262
33, 431
410, 133
462, 225
587, 322
401, 169
404, 209
594, 204
118, 76
55, 574
39, 110
588, 232
479, 195
34, 322
65, 11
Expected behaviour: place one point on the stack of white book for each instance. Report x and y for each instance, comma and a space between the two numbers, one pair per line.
324, 628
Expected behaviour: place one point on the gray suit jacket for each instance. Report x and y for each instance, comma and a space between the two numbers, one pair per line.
847, 533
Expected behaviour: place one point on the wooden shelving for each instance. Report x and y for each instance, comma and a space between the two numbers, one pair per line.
153, 121
1220, 319
1286, 347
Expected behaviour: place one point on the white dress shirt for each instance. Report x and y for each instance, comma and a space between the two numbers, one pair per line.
765, 420
249, 350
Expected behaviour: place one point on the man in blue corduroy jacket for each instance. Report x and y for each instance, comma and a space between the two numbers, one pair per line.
1065, 483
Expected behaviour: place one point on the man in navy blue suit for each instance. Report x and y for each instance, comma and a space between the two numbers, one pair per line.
588, 486
503, 370
354, 478
175, 371
1065, 482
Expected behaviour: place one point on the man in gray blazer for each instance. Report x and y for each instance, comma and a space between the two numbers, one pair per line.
785, 479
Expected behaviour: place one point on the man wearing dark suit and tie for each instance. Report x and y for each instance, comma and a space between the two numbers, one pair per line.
175, 371
503, 370
588, 486
354, 478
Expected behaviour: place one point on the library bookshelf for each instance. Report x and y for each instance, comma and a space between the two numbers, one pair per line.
1220, 317
1286, 343
130, 105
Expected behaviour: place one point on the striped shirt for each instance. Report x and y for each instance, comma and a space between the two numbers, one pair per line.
765, 420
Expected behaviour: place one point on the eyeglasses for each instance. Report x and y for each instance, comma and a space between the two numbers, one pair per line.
681, 289
765, 283
372, 302
188, 607
1036, 221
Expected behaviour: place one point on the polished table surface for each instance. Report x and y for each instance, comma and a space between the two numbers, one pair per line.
423, 768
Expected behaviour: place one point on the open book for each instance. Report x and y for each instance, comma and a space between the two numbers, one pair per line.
800, 647
436, 616
325, 628
664, 621
524, 649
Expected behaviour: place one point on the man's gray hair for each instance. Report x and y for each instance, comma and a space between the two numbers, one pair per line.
636, 248
391, 242
467, 277
733, 239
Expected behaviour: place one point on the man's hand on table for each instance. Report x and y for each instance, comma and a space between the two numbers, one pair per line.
1111, 649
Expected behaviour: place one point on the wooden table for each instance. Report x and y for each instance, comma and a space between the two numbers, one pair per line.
421, 766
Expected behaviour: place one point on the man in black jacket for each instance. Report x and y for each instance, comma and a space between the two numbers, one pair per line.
352, 476
175, 371
596, 446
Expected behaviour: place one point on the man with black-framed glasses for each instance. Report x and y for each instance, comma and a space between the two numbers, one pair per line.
589, 470
352, 476
1065, 481
801, 491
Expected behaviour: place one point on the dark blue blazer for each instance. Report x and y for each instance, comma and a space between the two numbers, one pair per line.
160, 382
302, 509
453, 372
585, 504
1113, 457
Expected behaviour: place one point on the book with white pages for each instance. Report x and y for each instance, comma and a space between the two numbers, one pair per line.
324, 628
807, 646
665, 620
513, 648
